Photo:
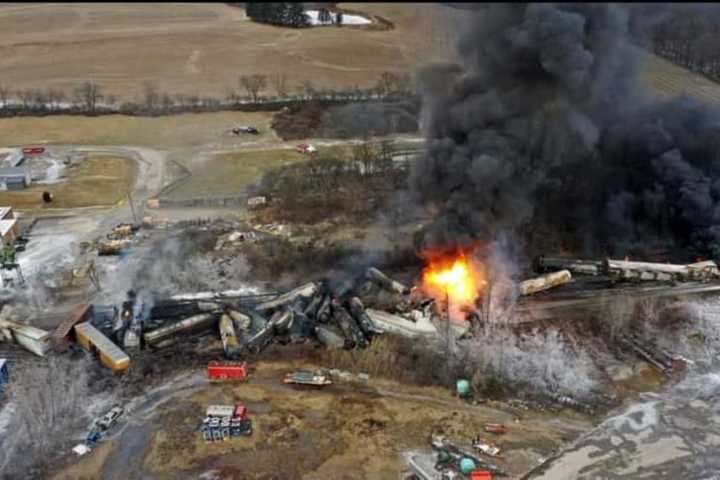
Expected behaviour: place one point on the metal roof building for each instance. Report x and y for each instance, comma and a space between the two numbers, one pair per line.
14, 178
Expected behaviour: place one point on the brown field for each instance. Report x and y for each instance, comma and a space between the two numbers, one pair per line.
202, 48
176, 131
101, 180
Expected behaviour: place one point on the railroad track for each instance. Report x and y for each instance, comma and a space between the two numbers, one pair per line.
556, 305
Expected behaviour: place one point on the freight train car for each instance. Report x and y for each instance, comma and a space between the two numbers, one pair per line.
92, 340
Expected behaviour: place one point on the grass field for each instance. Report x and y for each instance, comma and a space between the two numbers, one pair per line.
202, 48
101, 180
177, 131
669, 80
226, 174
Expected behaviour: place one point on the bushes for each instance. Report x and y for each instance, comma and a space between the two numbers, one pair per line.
346, 120
393, 357
329, 186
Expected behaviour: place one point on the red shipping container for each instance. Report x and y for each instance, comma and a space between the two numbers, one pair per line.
480, 475
227, 371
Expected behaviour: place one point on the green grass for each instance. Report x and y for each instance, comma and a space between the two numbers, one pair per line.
668, 80
227, 174
100, 180
187, 130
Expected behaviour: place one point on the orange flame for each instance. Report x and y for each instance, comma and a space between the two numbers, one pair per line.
455, 279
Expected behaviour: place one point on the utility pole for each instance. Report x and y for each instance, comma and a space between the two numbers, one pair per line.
447, 332
132, 207
92, 275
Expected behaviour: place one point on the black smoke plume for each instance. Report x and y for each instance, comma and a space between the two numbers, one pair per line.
544, 131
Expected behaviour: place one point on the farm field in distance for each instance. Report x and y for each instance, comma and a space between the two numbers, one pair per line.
202, 48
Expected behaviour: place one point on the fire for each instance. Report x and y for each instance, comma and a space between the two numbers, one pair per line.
455, 279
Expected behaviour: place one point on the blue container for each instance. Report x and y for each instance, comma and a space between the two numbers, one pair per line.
463, 387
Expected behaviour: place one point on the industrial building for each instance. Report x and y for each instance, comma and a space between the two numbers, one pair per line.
9, 229
92, 340
14, 178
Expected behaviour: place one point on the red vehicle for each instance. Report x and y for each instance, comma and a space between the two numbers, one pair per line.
218, 372
240, 412
306, 148
33, 150
495, 428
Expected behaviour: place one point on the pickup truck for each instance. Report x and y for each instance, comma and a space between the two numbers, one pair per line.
108, 420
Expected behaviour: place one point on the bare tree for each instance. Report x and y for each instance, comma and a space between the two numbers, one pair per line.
193, 100
308, 87
618, 315
151, 95
181, 99
387, 82
253, 84
231, 95
51, 398
111, 100
279, 81
167, 102
404, 83
88, 95
4, 95
26, 97
55, 98
40, 99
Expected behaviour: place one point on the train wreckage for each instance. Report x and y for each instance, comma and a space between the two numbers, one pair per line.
245, 324
350, 315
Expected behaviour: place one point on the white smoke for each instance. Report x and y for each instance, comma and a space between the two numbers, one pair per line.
172, 267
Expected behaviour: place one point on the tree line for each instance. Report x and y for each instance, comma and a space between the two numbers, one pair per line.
252, 92
287, 14
690, 40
